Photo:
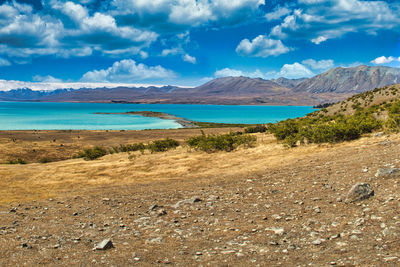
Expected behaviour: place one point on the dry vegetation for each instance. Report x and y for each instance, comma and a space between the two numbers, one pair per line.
367, 99
33, 146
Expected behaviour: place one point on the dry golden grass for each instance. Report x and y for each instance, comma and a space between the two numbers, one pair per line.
35, 181
32, 146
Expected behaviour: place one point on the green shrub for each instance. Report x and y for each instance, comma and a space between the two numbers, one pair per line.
16, 161
92, 153
326, 129
45, 160
162, 145
128, 148
223, 142
256, 129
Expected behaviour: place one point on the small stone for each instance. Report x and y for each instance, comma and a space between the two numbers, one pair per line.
103, 245
358, 192
195, 199
353, 237
161, 212
199, 253
212, 198
386, 142
186, 201
318, 241
393, 258
276, 230
387, 172
276, 217
153, 207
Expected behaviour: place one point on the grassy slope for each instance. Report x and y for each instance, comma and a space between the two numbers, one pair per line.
378, 96
378, 109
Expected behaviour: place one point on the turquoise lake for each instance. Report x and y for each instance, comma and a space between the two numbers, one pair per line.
81, 116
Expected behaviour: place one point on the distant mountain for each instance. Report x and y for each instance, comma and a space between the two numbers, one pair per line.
331, 86
121, 94
25, 94
239, 86
227, 90
289, 83
350, 80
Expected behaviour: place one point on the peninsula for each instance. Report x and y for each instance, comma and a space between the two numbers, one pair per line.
165, 116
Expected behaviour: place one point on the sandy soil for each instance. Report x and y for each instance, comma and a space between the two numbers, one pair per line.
263, 206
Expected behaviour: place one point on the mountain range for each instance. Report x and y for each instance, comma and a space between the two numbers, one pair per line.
331, 86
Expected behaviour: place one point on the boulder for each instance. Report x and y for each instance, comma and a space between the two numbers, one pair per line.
358, 192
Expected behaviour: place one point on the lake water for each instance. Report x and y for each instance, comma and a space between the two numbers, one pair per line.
81, 116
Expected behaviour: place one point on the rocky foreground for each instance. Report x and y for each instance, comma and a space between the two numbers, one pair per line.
295, 214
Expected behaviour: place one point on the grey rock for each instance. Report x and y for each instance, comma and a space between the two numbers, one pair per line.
387, 172
153, 207
386, 142
186, 201
358, 192
104, 245
161, 212
318, 241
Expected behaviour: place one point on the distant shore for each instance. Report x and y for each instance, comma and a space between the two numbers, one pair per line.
165, 116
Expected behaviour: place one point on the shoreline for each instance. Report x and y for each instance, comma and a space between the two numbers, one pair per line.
161, 115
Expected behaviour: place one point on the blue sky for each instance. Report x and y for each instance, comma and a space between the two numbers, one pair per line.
188, 42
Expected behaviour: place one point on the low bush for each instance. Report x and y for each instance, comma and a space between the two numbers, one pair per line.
393, 122
128, 148
16, 161
92, 153
256, 129
162, 145
155, 146
325, 129
223, 142
45, 160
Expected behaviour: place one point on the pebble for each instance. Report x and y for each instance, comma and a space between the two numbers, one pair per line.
318, 241
104, 245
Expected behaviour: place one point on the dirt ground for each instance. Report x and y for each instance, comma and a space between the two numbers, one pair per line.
262, 206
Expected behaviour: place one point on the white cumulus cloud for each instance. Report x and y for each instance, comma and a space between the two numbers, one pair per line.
319, 40
4, 62
127, 70
261, 46
290, 71
277, 13
323, 64
321, 20
228, 72
189, 58
46, 79
294, 71
385, 60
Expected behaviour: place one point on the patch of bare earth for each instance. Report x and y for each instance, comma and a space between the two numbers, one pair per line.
264, 206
